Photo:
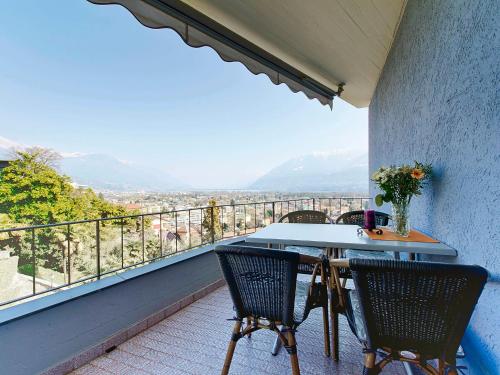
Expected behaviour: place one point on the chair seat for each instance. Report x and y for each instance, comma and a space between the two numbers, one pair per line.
366, 254
354, 315
306, 250
303, 306
300, 310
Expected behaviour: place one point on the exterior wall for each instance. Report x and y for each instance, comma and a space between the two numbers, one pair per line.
438, 101
56, 339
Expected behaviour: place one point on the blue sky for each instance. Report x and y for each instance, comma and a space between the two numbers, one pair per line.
78, 77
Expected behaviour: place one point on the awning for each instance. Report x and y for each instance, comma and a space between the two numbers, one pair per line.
322, 48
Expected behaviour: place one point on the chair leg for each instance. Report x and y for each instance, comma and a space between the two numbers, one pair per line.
249, 323
369, 367
326, 331
232, 345
334, 322
276, 346
334, 316
326, 326
292, 350
452, 370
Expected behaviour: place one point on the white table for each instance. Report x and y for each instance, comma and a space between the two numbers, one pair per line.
340, 237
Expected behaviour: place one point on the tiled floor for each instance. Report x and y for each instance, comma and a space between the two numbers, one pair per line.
194, 341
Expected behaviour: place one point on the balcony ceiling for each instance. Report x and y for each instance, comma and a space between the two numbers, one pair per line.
312, 46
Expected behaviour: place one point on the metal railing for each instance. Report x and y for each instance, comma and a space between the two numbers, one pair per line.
55, 256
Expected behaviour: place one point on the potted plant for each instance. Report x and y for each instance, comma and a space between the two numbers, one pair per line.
399, 185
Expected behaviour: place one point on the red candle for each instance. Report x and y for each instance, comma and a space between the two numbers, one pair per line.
369, 219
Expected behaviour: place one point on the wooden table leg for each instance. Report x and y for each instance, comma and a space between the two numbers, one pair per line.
334, 326
334, 316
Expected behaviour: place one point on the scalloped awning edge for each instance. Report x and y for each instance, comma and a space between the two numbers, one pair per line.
157, 16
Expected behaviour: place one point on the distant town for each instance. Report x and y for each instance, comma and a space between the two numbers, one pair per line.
148, 203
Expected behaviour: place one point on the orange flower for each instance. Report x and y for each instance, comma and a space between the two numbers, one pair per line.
417, 173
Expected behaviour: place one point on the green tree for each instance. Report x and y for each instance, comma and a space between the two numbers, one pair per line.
207, 222
32, 192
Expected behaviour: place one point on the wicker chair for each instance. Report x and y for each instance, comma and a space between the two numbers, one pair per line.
306, 217
358, 218
414, 312
264, 289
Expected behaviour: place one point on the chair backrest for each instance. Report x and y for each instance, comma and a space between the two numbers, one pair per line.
358, 218
417, 306
261, 281
306, 217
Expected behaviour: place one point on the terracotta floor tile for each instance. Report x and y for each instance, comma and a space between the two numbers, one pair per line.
193, 341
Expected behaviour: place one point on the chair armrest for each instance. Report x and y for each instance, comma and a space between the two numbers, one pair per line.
339, 263
318, 268
308, 259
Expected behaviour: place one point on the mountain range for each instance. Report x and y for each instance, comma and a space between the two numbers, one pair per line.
104, 172
339, 171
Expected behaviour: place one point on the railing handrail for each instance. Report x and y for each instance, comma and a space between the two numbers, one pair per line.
206, 235
131, 216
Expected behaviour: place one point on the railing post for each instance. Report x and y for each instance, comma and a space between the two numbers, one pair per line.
189, 228
68, 234
274, 214
33, 259
255, 217
161, 237
143, 240
222, 221
98, 247
234, 220
122, 241
212, 224
176, 234
245, 216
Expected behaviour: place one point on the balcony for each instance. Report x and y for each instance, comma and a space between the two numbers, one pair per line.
428, 72
86, 316
194, 341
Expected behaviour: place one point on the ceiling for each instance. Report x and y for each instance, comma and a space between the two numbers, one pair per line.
330, 41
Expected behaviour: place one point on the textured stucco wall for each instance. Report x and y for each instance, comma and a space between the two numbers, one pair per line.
438, 101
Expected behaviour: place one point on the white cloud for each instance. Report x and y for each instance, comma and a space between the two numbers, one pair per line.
71, 154
338, 152
10, 144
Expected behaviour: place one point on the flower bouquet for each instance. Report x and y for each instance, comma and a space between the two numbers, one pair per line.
399, 185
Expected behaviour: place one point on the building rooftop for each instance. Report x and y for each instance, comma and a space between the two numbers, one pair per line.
194, 341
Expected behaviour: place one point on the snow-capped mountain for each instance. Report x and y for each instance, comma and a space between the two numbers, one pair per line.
340, 171
104, 172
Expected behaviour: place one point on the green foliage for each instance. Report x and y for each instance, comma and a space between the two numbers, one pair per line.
32, 192
400, 184
207, 222
26, 269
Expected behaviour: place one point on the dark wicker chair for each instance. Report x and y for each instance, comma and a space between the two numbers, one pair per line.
306, 217
414, 312
264, 289
358, 218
